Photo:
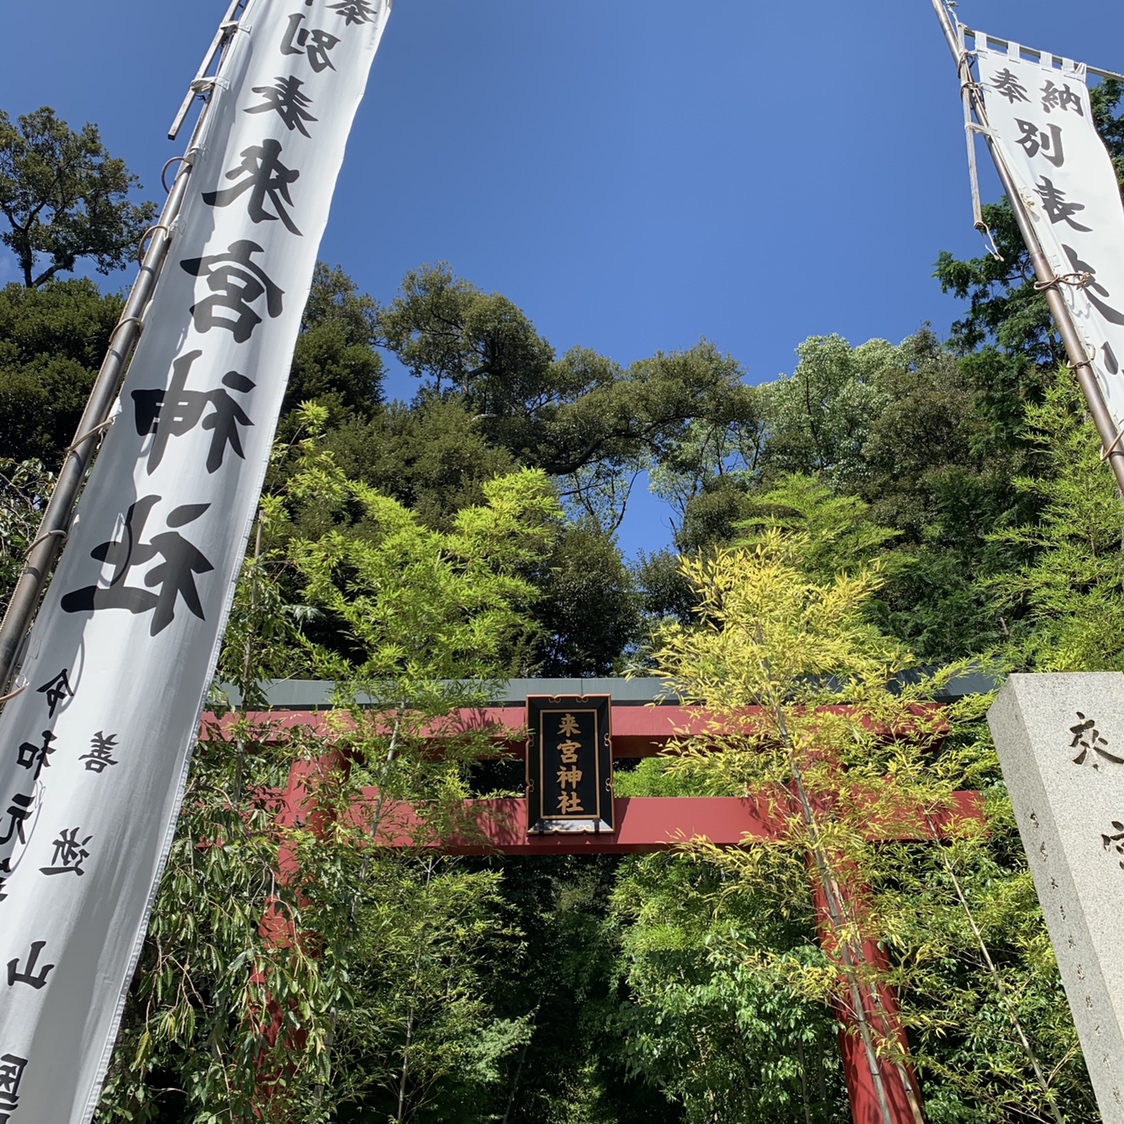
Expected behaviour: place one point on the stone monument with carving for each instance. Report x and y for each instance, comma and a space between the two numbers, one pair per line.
1060, 739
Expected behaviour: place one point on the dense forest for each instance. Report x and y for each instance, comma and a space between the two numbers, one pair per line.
930, 505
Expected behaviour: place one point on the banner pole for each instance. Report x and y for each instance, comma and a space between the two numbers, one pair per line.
53, 528
1079, 360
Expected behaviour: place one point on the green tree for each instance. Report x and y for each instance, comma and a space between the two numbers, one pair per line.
796, 683
65, 198
51, 344
588, 607
817, 417
1064, 601
260, 917
913, 433
575, 1067
335, 363
722, 448
721, 1034
421, 1039
969, 955
24, 489
558, 414
431, 456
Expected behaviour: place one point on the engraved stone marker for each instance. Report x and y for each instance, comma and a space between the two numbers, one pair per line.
1061, 746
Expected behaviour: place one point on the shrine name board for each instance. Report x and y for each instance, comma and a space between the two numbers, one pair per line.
569, 764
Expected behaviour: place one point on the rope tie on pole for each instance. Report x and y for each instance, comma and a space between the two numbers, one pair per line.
57, 533
1087, 362
187, 159
93, 431
141, 247
1077, 280
21, 686
164, 171
127, 320
1114, 446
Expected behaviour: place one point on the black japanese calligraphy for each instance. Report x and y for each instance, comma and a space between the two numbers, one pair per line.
1094, 290
1115, 842
1111, 363
19, 812
1035, 141
30, 756
1008, 86
173, 578
287, 101
57, 690
11, 1074
316, 44
100, 757
262, 174
237, 283
5, 874
1056, 207
70, 853
177, 411
28, 975
1062, 98
354, 11
1088, 739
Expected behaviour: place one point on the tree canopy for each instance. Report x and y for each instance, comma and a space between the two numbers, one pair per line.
65, 198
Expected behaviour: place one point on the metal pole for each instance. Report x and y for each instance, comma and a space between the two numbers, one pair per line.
56, 519
1075, 348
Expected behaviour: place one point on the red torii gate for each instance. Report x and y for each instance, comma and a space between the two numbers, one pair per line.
644, 825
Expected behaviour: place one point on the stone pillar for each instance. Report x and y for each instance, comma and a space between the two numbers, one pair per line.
1061, 746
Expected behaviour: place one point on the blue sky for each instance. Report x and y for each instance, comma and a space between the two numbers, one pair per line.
635, 174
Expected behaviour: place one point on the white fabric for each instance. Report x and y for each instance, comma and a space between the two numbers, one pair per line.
137, 660
1041, 120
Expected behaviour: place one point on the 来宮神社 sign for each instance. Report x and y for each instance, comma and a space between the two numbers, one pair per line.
569, 764
93, 753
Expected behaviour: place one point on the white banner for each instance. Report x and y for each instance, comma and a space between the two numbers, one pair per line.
1039, 116
93, 754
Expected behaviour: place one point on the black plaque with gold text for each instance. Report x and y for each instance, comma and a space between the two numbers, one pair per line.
569, 764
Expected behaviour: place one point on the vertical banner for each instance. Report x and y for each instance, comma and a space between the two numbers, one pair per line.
1041, 122
569, 764
94, 752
